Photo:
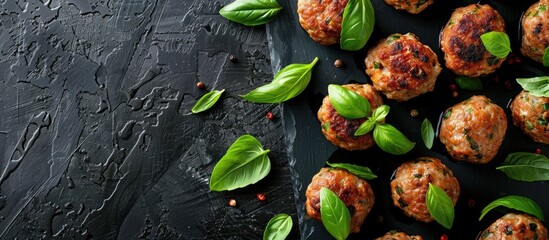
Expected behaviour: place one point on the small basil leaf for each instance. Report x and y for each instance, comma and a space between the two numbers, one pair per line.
427, 133
537, 86
528, 167
245, 163
546, 57
390, 140
278, 227
357, 24
348, 103
380, 113
251, 12
469, 83
519, 203
366, 127
363, 172
497, 43
207, 101
334, 214
440, 206
287, 84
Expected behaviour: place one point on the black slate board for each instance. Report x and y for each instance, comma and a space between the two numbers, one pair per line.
480, 184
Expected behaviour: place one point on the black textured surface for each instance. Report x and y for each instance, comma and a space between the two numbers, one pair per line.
96, 135
289, 43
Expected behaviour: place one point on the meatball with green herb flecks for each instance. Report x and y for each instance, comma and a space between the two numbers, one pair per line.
514, 226
322, 19
411, 6
531, 115
535, 30
395, 235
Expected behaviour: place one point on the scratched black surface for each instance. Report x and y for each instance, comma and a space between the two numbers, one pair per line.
96, 135
309, 150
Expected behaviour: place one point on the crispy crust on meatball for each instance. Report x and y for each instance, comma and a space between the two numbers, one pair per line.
411, 182
411, 6
460, 41
473, 130
339, 130
401, 67
531, 115
322, 19
394, 235
355, 192
515, 226
535, 31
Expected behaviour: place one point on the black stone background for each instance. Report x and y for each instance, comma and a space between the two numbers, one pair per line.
96, 135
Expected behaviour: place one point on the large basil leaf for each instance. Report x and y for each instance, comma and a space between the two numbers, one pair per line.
537, 86
251, 12
427, 133
348, 103
245, 163
207, 101
363, 172
287, 83
391, 140
334, 214
519, 203
440, 206
497, 43
278, 227
546, 57
528, 167
469, 83
357, 24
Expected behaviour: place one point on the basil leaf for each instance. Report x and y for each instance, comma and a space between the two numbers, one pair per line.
251, 12
207, 101
469, 83
519, 203
427, 133
380, 113
357, 24
245, 163
390, 140
287, 84
526, 167
440, 206
347, 103
278, 227
537, 86
366, 127
497, 43
363, 172
334, 214
546, 57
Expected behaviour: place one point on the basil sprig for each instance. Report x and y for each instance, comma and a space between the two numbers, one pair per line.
440, 206
357, 24
347, 103
378, 116
497, 43
519, 203
278, 227
528, 167
245, 163
335, 215
207, 101
427, 133
363, 172
287, 84
251, 12
469, 83
537, 86
546, 57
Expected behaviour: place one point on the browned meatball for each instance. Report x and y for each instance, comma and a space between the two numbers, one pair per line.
515, 226
394, 235
411, 6
535, 30
411, 182
339, 130
531, 115
460, 41
355, 192
473, 130
322, 19
401, 67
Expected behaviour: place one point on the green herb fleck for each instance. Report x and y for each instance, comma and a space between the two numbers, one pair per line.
326, 126
542, 121
486, 234
418, 175
545, 106
533, 227
377, 65
447, 114
399, 190
402, 203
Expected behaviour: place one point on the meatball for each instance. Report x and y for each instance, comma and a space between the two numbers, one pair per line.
322, 19
411, 6
394, 235
515, 226
401, 67
411, 182
339, 130
531, 115
355, 192
473, 130
535, 31
460, 41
